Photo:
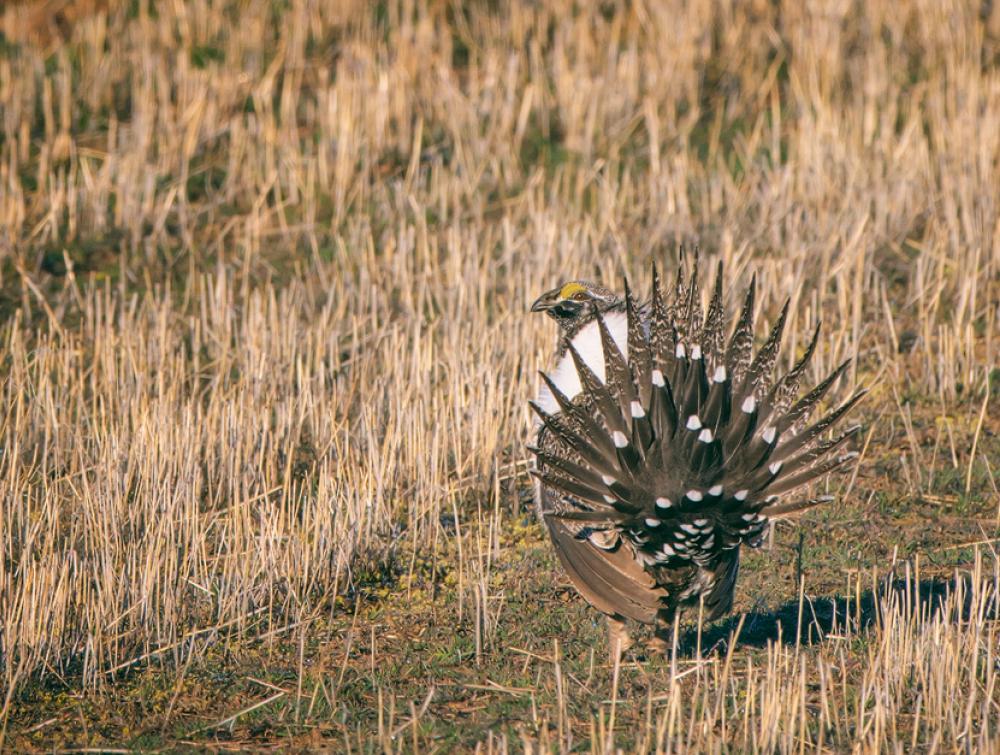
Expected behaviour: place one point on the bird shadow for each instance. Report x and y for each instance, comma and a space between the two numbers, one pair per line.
812, 619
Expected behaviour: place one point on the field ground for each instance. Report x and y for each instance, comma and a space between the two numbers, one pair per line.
265, 357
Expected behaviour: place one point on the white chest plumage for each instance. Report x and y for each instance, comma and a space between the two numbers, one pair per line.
587, 342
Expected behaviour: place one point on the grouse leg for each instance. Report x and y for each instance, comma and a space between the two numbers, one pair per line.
619, 639
663, 639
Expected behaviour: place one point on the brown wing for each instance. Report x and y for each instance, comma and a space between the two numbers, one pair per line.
610, 580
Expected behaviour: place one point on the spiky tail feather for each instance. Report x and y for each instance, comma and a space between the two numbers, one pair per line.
687, 446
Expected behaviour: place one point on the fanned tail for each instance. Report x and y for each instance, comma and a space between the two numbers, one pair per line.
689, 441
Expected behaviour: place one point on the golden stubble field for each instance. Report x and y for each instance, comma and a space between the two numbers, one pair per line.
265, 357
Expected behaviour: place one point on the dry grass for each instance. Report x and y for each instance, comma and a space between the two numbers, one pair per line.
45, 22
264, 270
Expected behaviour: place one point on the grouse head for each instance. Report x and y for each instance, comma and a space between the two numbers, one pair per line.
576, 303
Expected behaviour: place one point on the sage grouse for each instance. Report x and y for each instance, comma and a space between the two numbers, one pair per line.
662, 448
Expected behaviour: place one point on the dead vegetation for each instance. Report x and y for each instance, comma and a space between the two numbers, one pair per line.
264, 270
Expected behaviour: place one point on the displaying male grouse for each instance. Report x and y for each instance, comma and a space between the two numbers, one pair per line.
663, 448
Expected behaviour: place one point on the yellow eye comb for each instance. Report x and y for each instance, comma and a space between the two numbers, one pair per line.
569, 289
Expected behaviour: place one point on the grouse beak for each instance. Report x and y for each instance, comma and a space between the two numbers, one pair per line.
546, 301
